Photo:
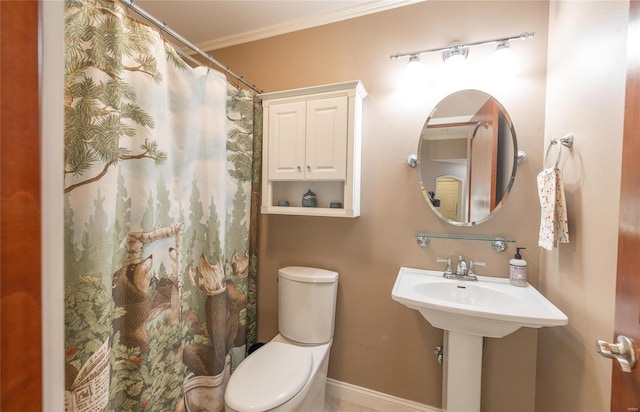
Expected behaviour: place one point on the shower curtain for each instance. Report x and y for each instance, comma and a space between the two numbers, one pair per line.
160, 167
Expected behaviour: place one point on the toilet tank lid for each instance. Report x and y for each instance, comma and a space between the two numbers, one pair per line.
308, 275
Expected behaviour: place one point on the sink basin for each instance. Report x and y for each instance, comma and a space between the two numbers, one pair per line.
490, 307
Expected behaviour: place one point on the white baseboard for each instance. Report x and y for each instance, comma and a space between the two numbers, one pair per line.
372, 399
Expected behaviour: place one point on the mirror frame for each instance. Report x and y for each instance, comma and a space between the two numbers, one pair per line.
509, 186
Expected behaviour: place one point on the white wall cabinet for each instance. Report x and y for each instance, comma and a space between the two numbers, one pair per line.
308, 140
311, 141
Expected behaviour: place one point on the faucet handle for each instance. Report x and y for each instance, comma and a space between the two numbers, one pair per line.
448, 270
472, 263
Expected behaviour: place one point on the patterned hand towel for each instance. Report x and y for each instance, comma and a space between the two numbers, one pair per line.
554, 227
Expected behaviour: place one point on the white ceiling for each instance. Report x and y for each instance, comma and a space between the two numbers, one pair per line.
213, 24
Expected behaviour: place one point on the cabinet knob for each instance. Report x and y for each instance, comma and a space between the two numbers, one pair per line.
308, 168
299, 169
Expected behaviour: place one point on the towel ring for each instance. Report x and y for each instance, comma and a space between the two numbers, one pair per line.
566, 141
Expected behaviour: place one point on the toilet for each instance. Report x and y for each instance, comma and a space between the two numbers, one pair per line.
289, 373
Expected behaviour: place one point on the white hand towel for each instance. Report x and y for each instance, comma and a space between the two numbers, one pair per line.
554, 226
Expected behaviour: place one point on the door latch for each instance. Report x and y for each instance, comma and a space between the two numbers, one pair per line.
623, 351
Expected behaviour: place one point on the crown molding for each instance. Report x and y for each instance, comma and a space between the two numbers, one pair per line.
305, 23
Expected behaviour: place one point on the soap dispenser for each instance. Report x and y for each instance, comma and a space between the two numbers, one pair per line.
518, 269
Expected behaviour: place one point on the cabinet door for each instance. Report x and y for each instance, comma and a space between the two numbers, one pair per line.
286, 141
326, 142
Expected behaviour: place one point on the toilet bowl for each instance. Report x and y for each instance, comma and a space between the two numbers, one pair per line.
280, 377
289, 373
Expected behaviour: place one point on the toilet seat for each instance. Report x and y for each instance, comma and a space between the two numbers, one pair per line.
269, 377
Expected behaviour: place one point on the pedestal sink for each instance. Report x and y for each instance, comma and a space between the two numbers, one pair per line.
468, 312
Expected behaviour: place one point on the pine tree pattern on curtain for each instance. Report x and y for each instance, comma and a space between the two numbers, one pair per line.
159, 169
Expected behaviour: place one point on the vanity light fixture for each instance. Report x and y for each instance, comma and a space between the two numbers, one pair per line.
414, 72
455, 54
414, 67
504, 56
460, 51
503, 47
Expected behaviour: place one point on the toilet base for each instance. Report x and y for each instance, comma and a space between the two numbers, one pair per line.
314, 398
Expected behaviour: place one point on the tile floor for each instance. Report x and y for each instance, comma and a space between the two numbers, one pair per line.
336, 405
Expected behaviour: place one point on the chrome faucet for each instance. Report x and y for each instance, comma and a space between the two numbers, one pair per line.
461, 268
463, 271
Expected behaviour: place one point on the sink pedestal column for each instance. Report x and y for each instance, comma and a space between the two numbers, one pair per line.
462, 372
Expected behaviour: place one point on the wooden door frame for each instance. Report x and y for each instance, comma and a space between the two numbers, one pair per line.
20, 206
624, 392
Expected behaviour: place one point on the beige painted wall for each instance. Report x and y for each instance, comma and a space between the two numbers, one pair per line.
380, 344
585, 95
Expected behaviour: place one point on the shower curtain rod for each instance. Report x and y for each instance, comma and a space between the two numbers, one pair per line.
164, 27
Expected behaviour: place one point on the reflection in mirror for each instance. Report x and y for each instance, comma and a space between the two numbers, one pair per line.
467, 157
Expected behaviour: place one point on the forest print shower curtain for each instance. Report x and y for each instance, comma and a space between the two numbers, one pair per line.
159, 280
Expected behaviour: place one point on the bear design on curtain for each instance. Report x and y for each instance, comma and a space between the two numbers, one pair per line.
159, 169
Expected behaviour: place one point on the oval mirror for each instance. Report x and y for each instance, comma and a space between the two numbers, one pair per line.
467, 157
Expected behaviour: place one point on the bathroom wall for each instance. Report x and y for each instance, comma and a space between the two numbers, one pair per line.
585, 96
380, 344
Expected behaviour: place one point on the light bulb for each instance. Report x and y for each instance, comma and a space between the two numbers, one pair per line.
414, 63
454, 57
415, 73
503, 58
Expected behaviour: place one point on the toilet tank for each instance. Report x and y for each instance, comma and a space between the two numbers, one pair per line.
307, 304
